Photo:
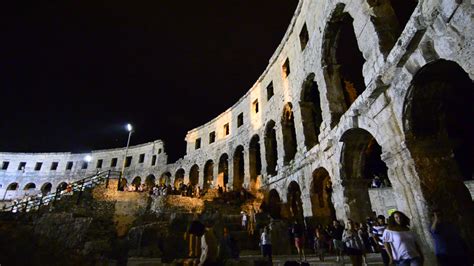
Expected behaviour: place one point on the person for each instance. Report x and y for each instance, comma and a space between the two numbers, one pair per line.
376, 182
336, 233
266, 244
251, 221
320, 243
450, 248
208, 248
400, 243
298, 233
376, 234
244, 219
353, 243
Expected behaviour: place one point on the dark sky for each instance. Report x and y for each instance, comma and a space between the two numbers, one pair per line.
73, 73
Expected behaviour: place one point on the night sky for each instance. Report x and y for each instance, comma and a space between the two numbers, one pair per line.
73, 73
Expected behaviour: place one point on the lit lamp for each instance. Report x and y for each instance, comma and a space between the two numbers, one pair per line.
88, 158
130, 130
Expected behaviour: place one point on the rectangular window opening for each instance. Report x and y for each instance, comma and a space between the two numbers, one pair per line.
54, 166
153, 160
69, 165
99, 163
128, 161
5, 165
304, 37
113, 163
38, 166
270, 91
159, 151
240, 119
255, 106
226, 129
197, 144
84, 165
22, 166
141, 159
286, 68
212, 137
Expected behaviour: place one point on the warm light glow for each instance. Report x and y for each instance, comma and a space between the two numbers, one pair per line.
88, 158
129, 127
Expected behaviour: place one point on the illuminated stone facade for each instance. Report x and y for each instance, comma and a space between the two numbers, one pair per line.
356, 89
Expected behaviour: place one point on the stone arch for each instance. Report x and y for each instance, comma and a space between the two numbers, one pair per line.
30, 186
342, 63
165, 178
295, 204
311, 113
179, 177
239, 164
208, 174
274, 204
150, 181
194, 175
62, 186
223, 170
361, 162
320, 196
389, 18
271, 152
289, 133
255, 161
136, 182
439, 137
46, 188
12, 186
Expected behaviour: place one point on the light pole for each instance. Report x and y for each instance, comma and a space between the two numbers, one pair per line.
130, 130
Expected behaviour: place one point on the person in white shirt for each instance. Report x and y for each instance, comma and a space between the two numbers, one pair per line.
266, 244
400, 242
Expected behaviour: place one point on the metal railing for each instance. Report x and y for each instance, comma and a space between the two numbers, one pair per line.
35, 202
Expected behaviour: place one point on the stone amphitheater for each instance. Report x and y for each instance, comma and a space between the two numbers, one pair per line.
356, 90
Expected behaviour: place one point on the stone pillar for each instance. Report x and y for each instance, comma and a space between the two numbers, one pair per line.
280, 147
215, 173
230, 184
246, 158
201, 176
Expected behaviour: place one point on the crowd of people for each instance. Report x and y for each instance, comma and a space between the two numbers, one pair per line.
393, 239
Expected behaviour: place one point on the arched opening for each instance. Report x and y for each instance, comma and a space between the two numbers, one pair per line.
46, 188
271, 154
12, 186
223, 170
238, 168
61, 186
311, 114
30, 186
136, 182
255, 162
390, 18
289, 133
343, 63
208, 174
439, 135
179, 178
274, 204
150, 181
361, 162
165, 179
403, 11
194, 175
295, 205
321, 192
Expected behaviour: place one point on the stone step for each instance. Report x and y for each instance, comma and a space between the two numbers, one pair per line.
254, 258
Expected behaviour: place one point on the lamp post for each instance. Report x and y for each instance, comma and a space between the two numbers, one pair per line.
130, 130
